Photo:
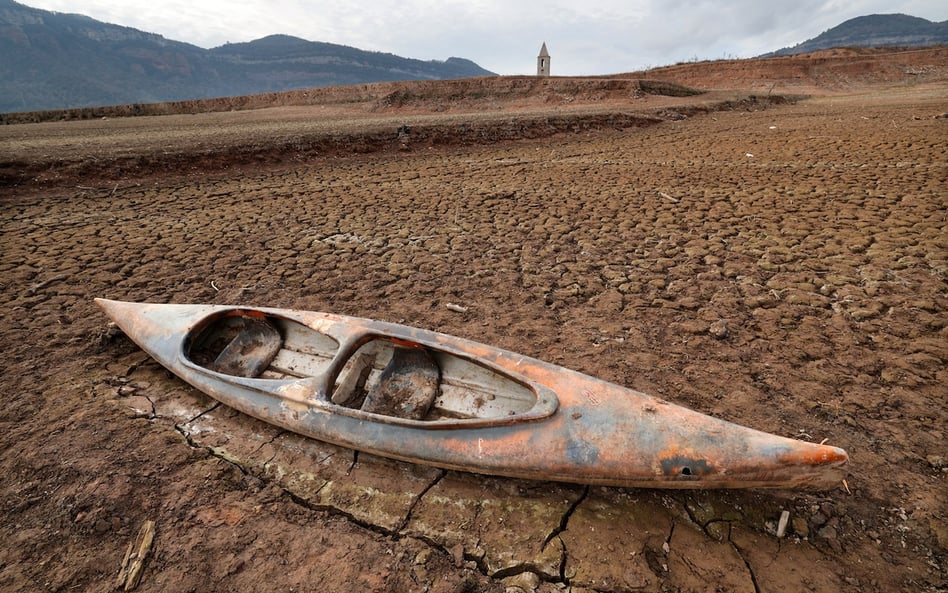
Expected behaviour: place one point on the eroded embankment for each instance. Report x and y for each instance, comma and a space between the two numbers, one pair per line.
63, 167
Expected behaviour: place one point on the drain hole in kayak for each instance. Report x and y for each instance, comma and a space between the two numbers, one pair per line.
411, 381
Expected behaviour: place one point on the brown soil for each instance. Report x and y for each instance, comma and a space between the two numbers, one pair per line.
775, 261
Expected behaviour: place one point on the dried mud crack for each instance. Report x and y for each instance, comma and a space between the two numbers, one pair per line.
564, 522
750, 568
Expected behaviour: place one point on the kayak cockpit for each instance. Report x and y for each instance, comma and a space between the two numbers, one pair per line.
375, 374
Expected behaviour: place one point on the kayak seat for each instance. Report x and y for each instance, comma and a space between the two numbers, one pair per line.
407, 387
250, 351
350, 389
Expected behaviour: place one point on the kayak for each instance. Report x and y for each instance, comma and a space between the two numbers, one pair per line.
426, 397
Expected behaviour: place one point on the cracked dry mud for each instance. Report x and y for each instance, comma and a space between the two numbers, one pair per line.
780, 268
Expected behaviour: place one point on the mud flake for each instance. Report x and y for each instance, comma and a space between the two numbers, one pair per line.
610, 526
503, 523
694, 561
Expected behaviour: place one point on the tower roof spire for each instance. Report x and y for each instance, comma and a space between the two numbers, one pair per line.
543, 62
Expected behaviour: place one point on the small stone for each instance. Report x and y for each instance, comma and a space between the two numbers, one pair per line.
422, 557
800, 527
719, 329
525, 582
936, 461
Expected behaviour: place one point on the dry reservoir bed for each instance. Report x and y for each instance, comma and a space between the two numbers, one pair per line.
783, 269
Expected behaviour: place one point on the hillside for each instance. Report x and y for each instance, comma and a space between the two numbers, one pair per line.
66, 61
818, 73
838, 70
282, 62
55, 60
876, 30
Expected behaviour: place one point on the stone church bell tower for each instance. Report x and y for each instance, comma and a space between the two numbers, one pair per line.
543, 62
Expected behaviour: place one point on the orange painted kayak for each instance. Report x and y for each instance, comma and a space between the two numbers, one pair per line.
426, 397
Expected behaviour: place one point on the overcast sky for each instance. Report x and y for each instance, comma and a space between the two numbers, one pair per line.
583, 36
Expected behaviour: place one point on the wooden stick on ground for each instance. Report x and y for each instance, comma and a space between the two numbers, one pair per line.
133, 563
41, 285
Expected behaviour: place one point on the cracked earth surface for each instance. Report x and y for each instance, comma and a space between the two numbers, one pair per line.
783, 268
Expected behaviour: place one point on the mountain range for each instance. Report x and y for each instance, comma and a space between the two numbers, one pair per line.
875, 30
51, 60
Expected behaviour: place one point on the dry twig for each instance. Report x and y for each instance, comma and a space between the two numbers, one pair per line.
134, 562
41, 285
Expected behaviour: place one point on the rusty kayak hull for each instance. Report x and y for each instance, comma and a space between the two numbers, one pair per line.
426, 397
